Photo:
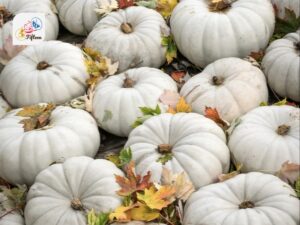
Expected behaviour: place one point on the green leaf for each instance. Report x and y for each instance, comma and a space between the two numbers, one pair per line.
263, 104
151, 4
147, 113
287, 25
171, 52
281, 103
125, 156
297, 187
100, 219
165, 158
107, 116
15, 197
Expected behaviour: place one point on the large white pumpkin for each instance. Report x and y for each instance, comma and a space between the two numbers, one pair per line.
282, 5
79, 17
203, 35
233, 86
281, 65
4, 107
63, 193
12, 219
266, 138
117, 100
132, 37
14, 7
49, 72
197, 144
70, 132
247, 199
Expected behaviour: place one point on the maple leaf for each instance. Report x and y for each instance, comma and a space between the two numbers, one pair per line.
106, 6
39, 116
132, 182
147, 113
165, 7
213, 114
157, 199
182, 106
125, 3
183, 186
289, 172
169, 98
94, 219
178, 76
143, 213
120, 214
171, 49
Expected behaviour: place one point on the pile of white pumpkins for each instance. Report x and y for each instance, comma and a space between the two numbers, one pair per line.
216, 39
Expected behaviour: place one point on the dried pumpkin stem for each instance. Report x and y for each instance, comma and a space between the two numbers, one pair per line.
42, 65
164, 148
246, 205
283, 129
217, 80
126, 28
128, 82
76, 204
5, 15
220, 5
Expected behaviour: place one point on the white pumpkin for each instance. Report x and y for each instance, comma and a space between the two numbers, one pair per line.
79, 17
203, 35
62, 193
266, 138
4, 107
247, 199
197, 144
49, 72
281, 65
14, 7
282, 5
12, 219
117, 100
132, 37
233, 86
70, 132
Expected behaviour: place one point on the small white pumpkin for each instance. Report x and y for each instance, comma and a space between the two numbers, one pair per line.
62, 193
247, 199
49, 72
233, 86
132, 37
281, 65
203, 35
79, 17
70, 132
14, 7
266, 138
197, 144
282, 5
4, 107
117, 99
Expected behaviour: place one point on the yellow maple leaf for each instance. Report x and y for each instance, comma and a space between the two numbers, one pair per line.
157, 199
182, 106
143, 213
165, 7
121, 214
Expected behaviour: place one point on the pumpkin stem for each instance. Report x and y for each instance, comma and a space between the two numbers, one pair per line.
76, 204
246, 205
220, 5
164, 148
42, 65
283, 129
217, 80
5, 16
126, 28
128, 83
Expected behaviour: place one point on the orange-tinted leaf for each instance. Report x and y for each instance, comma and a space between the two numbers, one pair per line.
289, 172
213, 114
132, 182
182, 106
258, 56
157, 199
125, 3
178, 76
171, 110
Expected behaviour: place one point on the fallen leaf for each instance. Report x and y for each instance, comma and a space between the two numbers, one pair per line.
132, 182
143, 213
125, 3
147, 113
89, 97
297, 187
165, 7
106, 6
171, 49
120, 214
224, 177
125, 156
258, 56
165, 158
107, 116
157, 199
213, 114
182, 106
151, 4
169, 98
289, 172
178, 76
94, 219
